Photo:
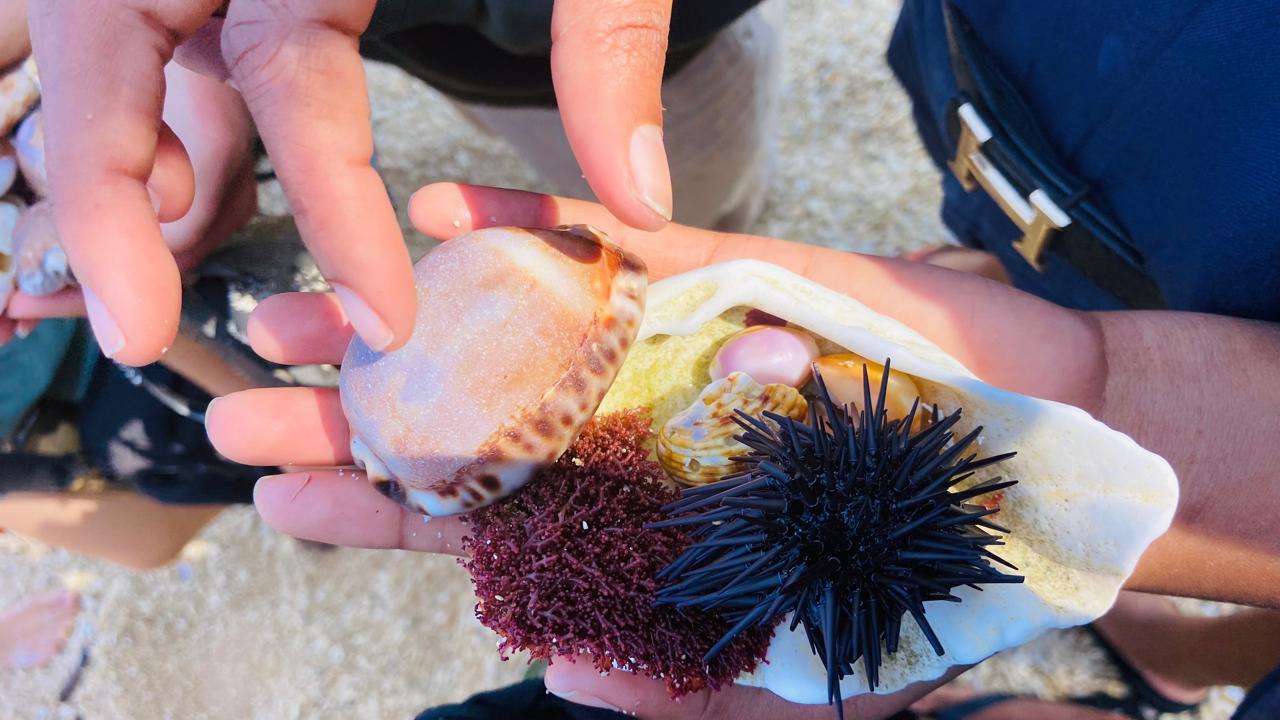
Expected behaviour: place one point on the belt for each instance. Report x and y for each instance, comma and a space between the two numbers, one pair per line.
1000, 148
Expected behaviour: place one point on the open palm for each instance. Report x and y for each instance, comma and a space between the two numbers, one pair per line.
1006, 337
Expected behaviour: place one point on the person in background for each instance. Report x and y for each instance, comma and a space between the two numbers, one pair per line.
1142, 218
142, 480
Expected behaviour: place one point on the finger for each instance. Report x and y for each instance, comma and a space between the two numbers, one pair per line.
14, 43
101, 66
23, 328
298, 68
610, 54
172, 184
341, 508
67, 302
202, 52
300, 329
999, 333
280, 426
443, 210
218, 135
648, 699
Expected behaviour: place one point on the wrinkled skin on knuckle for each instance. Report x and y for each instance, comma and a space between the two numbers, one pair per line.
629, 36
254, 49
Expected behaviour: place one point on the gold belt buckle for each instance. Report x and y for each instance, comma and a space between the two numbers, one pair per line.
1037, 216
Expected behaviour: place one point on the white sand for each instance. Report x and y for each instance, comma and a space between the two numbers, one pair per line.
253, 625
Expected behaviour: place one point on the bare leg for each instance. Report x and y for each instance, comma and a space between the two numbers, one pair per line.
1181, 655
34, 630
120, 527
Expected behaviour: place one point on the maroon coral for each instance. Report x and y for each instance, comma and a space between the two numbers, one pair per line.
566, 566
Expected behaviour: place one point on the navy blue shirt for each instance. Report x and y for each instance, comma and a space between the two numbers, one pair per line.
1170, 109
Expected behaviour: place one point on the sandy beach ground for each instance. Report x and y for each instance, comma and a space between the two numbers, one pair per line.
250, 624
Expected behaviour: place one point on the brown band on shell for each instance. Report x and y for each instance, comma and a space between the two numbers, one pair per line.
573, 399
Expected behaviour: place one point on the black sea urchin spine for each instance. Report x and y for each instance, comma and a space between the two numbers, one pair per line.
848, 520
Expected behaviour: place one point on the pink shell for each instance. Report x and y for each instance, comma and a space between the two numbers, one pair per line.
519, 335
769, 354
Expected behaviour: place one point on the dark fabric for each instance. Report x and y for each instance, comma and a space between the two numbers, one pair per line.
528, 700
497, 52
1263, 701
1172, 112
141, 444
54, 360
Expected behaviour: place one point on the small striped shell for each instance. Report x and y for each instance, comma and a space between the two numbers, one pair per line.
519, 335
697, 446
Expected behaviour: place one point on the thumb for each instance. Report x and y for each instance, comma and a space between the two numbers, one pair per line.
607, 58
647, 699
579, 682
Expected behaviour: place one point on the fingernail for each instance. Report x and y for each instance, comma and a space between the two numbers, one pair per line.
208, 409
110, 339
578, 698
155, 199
650, 176
375, 333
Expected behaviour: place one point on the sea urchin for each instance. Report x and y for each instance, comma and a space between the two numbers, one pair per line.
849, 521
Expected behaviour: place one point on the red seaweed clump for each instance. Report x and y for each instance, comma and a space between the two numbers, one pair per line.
566, 567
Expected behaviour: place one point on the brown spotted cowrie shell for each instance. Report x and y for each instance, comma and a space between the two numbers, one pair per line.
519, 334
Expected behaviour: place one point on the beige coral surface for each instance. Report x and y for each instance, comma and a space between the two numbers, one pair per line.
250, 624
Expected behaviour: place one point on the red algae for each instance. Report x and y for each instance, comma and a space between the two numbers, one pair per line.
566, 567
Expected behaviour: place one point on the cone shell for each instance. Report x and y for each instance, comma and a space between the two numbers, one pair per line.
698, 446
519, 335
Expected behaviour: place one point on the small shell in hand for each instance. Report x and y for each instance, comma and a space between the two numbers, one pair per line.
769, 354
699, 445
41, 262
29, 144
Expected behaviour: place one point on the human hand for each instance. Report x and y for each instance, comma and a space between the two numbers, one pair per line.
117, 169
609, 55
217, 133
1005, 336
